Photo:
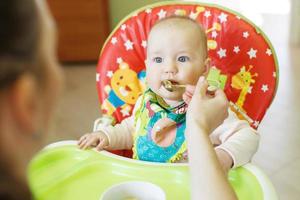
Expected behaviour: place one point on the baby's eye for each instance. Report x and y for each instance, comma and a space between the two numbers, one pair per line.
183, 59
158, 59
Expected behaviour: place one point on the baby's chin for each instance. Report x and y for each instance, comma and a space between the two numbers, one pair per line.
171, 96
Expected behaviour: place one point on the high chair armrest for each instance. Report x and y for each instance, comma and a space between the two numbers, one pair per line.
103, 121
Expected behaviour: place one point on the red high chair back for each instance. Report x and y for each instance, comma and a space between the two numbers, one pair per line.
241, 53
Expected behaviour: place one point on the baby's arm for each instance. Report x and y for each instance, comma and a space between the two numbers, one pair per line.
112, 137
109, 137
120, 135
225, 159
238, 141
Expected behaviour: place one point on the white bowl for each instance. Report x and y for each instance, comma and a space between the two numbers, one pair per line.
134, 190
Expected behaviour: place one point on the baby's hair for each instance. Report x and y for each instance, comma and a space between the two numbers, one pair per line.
185, 19
19, 38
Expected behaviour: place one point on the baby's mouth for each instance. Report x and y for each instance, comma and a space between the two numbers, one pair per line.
173, 82
171, 85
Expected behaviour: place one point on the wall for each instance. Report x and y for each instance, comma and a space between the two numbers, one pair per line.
121, 8
295, 23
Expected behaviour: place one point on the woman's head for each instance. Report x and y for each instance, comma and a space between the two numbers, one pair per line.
29, 80
18, 38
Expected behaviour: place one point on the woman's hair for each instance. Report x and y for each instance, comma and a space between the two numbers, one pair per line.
19, 38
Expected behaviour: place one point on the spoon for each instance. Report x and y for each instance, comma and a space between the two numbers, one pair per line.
171, 87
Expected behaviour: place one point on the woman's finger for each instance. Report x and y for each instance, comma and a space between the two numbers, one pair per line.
219, 94
201, 86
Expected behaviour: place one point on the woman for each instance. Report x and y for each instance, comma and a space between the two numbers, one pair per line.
204, 114
30, 81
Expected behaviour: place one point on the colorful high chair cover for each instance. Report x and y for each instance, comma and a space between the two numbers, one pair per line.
243, 60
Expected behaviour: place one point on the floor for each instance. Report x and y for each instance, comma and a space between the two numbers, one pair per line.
279, 151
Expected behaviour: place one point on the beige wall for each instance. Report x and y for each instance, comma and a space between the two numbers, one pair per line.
295, 22
121, 8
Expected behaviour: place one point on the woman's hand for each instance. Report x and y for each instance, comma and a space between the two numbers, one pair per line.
205, 110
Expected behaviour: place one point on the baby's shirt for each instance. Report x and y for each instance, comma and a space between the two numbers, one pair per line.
136, 132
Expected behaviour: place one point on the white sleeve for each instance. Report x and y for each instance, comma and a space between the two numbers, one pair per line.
238, 139
120, 136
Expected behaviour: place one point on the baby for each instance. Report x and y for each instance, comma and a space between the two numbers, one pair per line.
176, 51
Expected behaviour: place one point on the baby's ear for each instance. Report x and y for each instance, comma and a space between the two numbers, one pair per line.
207, 66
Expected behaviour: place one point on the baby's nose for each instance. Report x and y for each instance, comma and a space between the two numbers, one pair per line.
170, 68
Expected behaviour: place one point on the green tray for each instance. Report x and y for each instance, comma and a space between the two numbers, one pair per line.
68, 173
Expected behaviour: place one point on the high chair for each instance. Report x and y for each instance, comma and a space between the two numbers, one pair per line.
243, 62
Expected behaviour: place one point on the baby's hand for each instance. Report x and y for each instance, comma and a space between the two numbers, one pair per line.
225, 160
188, 94
97, 139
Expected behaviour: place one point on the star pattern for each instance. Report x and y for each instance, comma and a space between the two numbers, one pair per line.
245, 34
123, 27
256, 123
119, 60
250, 89
214, 34
236, 49
207, 14
222, 53
269, 52
125, 112
114, 40
223, 17
264, 88
97, 77
107, 89
193, 15
161, 14
252, 53
148, 10
144, 43
109, 74
129, 45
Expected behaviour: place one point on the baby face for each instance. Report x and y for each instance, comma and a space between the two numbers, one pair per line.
175, 52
